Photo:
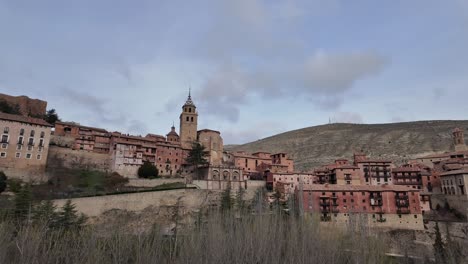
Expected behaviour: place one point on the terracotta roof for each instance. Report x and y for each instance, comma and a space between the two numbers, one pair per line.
455, 172
369, 188
78, 125
208, 130
373, 161
406, 169
24, 119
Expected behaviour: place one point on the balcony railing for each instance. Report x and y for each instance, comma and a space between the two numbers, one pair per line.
403, 211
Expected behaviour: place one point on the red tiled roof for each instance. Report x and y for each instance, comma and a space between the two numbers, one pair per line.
78, 125
455, 172
24, 119
369, 188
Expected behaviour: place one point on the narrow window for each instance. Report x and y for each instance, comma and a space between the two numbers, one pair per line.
6, 130
32, 133
42, 134
22, 132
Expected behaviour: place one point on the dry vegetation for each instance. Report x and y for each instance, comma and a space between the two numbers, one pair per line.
318, 145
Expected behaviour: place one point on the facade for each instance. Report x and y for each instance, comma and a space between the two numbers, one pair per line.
382, 205
289, 181
221, 178
374, 172
341, 172
213, 143
24, 146
85, 138
188, 124
454, 187
260, 162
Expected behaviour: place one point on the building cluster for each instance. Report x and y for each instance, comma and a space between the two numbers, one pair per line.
387, 194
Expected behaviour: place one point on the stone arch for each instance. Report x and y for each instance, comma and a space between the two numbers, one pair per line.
235, 175
226, 175
215, 174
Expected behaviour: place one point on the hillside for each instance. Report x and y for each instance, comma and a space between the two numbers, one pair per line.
314, 146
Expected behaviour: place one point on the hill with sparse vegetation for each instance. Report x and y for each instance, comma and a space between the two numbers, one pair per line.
317, 145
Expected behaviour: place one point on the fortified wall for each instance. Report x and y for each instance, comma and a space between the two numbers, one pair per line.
27, 106
61, 157
190, 199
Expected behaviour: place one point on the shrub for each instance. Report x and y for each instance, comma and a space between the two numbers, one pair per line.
114, 180
3, 181
147, 171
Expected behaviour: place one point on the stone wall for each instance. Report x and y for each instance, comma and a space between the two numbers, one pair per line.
60, 157
457, 202
152, 183
137, 202
27, 106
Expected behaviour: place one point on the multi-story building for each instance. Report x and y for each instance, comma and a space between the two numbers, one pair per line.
454, 187
379, 205
289, 181
374, 171
24, 146
260, 162
91, 139
341, 172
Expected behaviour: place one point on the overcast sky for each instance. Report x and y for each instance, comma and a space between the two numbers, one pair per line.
256, 67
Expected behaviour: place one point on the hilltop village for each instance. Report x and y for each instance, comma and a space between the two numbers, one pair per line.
386, 194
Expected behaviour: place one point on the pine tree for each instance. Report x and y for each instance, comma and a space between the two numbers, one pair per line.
23, 202
197, 156
46, 213
68, 217
226, 200
439, 249
240, 202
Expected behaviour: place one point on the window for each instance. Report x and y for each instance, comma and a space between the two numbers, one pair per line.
20, 140
22, 132
3, 155
191, 119
4, 138
187, 118
344, 200
31, 141
17, 155
6, 130
41, 142
19, 147
32, 133
4, 146
28, 156
30, 148
42, 134
38, 157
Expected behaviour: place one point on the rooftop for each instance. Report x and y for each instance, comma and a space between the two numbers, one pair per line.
368, 188
24, 119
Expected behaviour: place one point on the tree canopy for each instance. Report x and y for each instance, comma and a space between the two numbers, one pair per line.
51, 116
148, 170
197, 155
3, 181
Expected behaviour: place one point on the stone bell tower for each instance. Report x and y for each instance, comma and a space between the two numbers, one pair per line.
188, 123
459, 140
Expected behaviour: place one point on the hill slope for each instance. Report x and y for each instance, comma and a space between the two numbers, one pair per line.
314, 146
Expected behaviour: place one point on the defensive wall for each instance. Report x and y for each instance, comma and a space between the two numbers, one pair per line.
62, 157
190, 199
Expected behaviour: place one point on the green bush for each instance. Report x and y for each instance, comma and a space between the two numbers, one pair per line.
148, 171
3, 181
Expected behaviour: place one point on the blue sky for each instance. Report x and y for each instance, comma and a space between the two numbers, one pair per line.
256, 67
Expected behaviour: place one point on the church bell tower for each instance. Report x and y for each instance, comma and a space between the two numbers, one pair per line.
188, 123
